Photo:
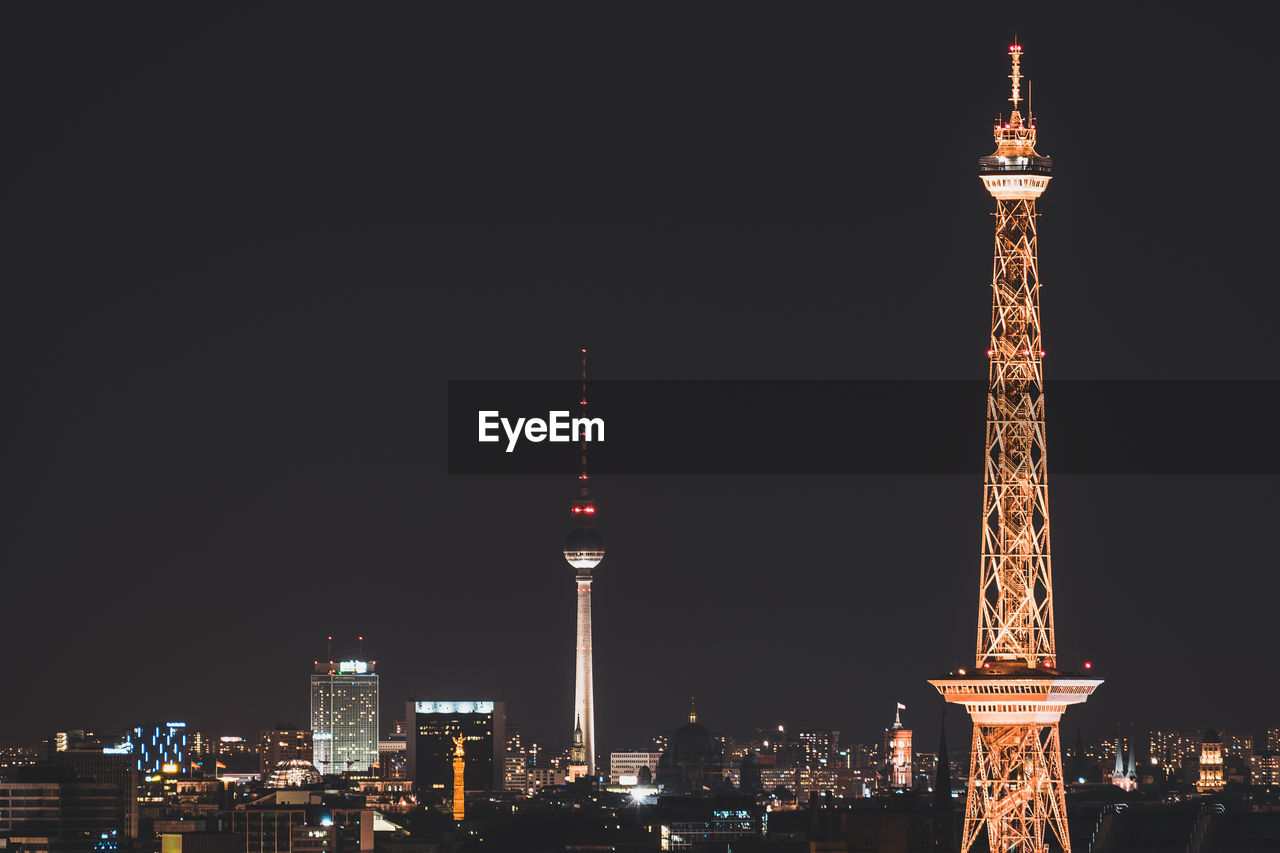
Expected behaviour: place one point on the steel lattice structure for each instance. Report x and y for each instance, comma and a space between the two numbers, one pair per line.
1016, 695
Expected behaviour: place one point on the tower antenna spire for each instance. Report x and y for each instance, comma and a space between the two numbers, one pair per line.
1015, 56
582, 433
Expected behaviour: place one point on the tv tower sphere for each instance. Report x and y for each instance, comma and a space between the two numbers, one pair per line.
584, 548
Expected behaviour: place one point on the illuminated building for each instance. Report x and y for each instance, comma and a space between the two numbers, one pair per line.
344, 716
1272, 740
1122, 778
543, 777
392, 758
897, 751
235, 745
1265, 768
818, 746
277, 745
279, 822
1238, 746
701, 822
584, 549
156, 748
1211, 777
515, 770
625, 766
63, 815
577, 767
433, 729
292, 773
1015, 695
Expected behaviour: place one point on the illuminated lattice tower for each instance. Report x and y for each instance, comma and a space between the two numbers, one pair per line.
1016, 694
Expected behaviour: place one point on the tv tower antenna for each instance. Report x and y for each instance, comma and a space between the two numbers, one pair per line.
584, 549
1016, 694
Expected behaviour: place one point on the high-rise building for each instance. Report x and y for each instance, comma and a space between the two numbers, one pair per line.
897, 751
1016, 694
433, 730
1238, 746
818, 746
277, 745
344, 716
1272, 740
584, 549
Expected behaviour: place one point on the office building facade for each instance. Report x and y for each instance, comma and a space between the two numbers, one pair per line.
434, 728
344, 716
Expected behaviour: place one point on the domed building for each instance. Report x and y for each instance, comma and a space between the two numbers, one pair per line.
294, 773
693, 761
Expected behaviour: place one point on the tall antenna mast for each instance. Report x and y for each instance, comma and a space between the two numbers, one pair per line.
1015, 54
582, 434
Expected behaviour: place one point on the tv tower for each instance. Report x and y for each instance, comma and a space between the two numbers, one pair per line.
1015, 694
584, 549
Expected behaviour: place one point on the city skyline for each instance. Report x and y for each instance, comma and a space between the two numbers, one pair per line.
229, 389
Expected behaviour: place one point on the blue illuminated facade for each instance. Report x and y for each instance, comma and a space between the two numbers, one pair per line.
157, 748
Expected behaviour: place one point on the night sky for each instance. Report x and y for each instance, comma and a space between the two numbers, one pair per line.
245, 249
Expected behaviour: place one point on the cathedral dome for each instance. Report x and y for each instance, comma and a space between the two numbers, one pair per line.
692, 742
294, 773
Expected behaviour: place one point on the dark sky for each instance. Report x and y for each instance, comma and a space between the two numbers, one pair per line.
247, 247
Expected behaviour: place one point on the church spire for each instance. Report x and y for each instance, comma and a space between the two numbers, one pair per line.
1118, 773
942, 782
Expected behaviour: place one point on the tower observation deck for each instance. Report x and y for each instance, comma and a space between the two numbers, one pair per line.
1015, 694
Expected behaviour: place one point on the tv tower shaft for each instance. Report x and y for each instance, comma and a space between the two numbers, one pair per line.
1015, 695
